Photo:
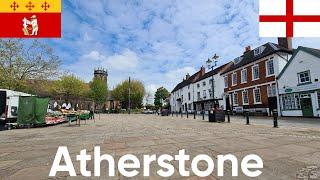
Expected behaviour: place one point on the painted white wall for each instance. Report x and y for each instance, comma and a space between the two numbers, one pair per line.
303, 61
193, 89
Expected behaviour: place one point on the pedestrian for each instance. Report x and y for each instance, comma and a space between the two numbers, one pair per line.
91, 113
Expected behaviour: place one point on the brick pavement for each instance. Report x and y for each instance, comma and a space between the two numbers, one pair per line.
288, 152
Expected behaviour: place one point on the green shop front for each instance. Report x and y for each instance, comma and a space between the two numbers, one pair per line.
300, 101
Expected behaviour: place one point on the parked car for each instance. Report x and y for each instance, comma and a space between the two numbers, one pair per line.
147, 111
9, 104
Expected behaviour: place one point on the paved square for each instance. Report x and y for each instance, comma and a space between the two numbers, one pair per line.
286, 152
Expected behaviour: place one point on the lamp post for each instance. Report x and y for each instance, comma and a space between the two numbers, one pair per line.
211, 63
129, 102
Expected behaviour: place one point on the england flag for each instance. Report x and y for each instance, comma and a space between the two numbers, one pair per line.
289, 18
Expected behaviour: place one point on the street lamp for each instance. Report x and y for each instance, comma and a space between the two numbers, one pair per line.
211, 63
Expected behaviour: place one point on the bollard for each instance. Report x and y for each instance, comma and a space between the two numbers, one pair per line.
194, 114
177, 113
202, 114
275, 118
228, 113
187, 114
247, 117
181, 114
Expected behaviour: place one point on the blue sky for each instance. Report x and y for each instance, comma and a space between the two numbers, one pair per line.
156, 41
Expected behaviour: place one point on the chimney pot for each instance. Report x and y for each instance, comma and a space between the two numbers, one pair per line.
247, 49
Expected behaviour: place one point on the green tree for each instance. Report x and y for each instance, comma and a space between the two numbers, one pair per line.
22, 60
99, 91
160, 96
137, 91
69, 86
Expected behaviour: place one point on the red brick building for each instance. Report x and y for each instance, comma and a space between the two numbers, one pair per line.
250, 82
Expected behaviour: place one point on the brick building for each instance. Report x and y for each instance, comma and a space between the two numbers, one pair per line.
250, 82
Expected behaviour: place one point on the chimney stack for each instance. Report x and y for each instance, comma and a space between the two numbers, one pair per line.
247, 49
285, 43
187, 76
202, 70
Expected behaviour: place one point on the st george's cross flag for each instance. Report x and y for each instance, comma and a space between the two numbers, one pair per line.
289, 18
30, 18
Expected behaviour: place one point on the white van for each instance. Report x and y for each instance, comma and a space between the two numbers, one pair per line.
9, 103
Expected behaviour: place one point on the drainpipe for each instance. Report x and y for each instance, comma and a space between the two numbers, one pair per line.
278, 98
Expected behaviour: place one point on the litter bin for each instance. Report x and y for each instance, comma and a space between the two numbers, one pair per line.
216, 115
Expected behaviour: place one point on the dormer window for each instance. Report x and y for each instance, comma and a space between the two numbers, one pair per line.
237, 60
259, 50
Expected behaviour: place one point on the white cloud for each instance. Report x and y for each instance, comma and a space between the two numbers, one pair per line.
157, 42
125, 61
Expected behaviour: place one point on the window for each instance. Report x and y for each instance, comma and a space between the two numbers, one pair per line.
210, 92
257, 96
258, 50
189, 96
198, 85
270, 67
244, 76
304, 77
234, 79
204, 83
245, 97
235, 98
255, 72
226, 82
291, 102
204, 94
190, 105
198, 95
210, 81
182, 98
272, 91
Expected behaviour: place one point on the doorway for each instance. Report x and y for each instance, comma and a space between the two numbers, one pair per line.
228, 105
306, 105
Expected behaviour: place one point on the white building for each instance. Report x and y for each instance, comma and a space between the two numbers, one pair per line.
299, 86
182, 96
195, 92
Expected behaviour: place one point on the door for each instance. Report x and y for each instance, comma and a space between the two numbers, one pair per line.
306, 106
273, 104
228, 106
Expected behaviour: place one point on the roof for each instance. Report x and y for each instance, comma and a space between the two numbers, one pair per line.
249, 57
314, 52
213, 72
187, 82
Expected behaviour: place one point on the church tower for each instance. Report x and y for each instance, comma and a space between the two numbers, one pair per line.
101, 73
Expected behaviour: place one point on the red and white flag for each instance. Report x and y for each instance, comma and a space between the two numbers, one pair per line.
289, 18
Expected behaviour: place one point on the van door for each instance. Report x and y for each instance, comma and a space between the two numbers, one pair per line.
13, 104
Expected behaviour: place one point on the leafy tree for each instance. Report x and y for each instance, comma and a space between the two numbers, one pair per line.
137, 91
22, 60
69, 86
159, 97
99, 91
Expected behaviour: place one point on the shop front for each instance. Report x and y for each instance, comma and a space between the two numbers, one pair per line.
300, 100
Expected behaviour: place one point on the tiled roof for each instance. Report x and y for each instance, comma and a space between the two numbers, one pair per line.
187, 82
214, 72
249, 57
